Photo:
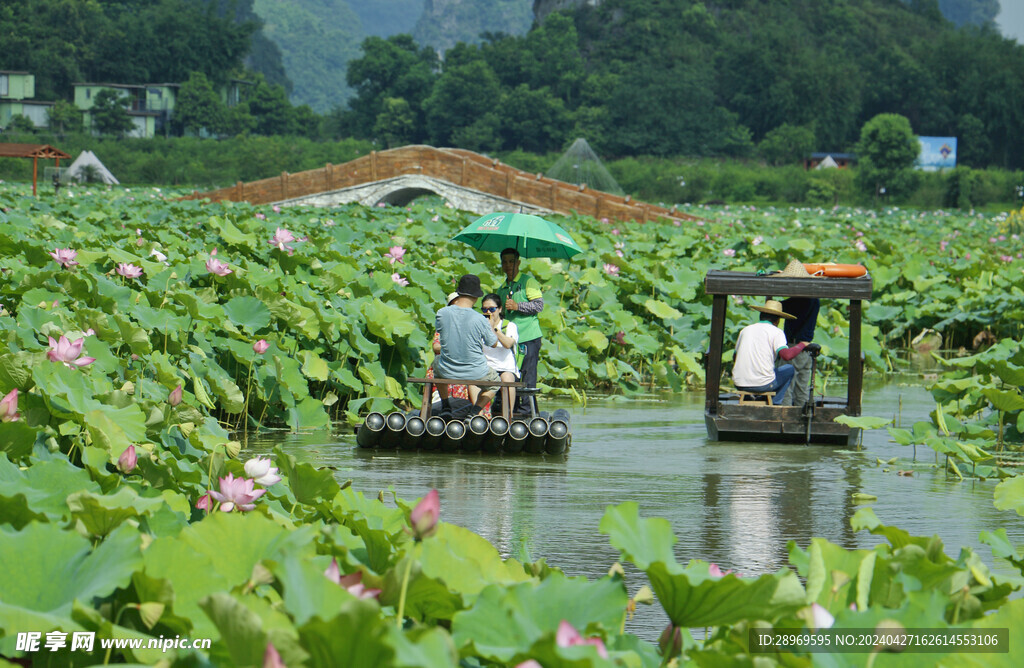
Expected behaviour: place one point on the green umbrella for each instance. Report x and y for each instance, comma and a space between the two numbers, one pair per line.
532, 236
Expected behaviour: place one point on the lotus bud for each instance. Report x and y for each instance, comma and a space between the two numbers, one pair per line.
260, 346
671, 641
9, 407
425, 515
126, 462
271, 658
205, 502
174, 398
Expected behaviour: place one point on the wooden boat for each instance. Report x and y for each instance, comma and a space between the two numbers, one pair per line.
729, 420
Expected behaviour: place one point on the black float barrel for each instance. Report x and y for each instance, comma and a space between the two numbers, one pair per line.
415, 428
454, 432
478, 429
558, 437
498, 427
538, 434
518, 431
394, 430
370, 431
434, 434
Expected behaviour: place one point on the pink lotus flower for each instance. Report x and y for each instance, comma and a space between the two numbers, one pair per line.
615, 231
140, 242
65, 257
129, 270
353, 582
435, 218
215, 266
757, 241
729, 252
237, 493
425, 515
716, 572
1006, 258
271, 658
529, 663
67, 352
611, 269
9, 407
399, 280
214, 251
261, 471
260, 216
281, 239
174, 398
126, 462
395, 254
160, 257
260, 346
821, 618
568, 636
671, 641
276, 208
861, 246
205, 502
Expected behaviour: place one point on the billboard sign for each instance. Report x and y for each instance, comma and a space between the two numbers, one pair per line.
936, 153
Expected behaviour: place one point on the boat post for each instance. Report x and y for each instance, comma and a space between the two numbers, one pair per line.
855, 385
713, 372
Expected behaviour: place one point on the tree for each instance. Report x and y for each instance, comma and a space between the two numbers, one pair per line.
199, 107
395, 67
110, 113
269, 106
886, 153
395, 123
20, 123
461, 99
786, 144
533, 120
972, 147
64, 117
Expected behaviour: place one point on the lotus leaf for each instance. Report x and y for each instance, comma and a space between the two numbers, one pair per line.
247, 312
503, 620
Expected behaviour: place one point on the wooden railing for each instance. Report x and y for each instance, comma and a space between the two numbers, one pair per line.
457, 166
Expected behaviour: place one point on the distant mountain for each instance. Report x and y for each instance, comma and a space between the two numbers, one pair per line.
317, 38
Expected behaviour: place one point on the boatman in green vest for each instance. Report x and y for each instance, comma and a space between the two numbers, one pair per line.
523, 301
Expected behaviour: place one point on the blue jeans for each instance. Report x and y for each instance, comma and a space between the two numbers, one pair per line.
783, 377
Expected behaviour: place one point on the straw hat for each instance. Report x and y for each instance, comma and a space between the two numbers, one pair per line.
772, 307
795, 269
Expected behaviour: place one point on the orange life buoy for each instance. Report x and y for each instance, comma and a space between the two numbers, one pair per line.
836, 270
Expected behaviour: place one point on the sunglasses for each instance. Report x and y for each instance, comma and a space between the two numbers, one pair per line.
490, 309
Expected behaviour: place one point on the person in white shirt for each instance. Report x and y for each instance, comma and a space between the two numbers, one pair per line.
757, 347
502, 358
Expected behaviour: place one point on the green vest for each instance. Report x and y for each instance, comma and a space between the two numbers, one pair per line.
523, 289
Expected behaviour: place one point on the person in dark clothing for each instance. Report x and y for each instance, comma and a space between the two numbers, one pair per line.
800, 330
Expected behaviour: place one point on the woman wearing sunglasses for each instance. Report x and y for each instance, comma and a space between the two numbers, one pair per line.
502, 358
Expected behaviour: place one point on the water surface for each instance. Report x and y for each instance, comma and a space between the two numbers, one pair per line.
735, 504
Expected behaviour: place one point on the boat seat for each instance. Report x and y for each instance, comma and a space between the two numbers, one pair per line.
747, 397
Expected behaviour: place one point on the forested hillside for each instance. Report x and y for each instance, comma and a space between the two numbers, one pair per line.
689, 78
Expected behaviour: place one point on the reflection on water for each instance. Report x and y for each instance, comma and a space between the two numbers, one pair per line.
735, 504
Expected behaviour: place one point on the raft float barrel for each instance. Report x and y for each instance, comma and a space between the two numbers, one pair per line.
455, 430
414, 430
498, 429
394, 430
478, 429
435, 430
558, 433
370, 432
538, 433
518, 431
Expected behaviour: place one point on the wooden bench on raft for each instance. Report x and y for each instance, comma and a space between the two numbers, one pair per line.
504, 387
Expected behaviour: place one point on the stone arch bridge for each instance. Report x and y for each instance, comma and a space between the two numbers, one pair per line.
470, 181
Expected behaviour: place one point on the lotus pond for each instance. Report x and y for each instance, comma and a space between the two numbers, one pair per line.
145, 339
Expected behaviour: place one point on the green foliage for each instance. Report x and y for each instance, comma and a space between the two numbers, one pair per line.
110, 113
20, 123
198, 107
886, 151
64, 117
786, 145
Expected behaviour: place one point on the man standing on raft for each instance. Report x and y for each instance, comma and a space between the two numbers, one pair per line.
523, 301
